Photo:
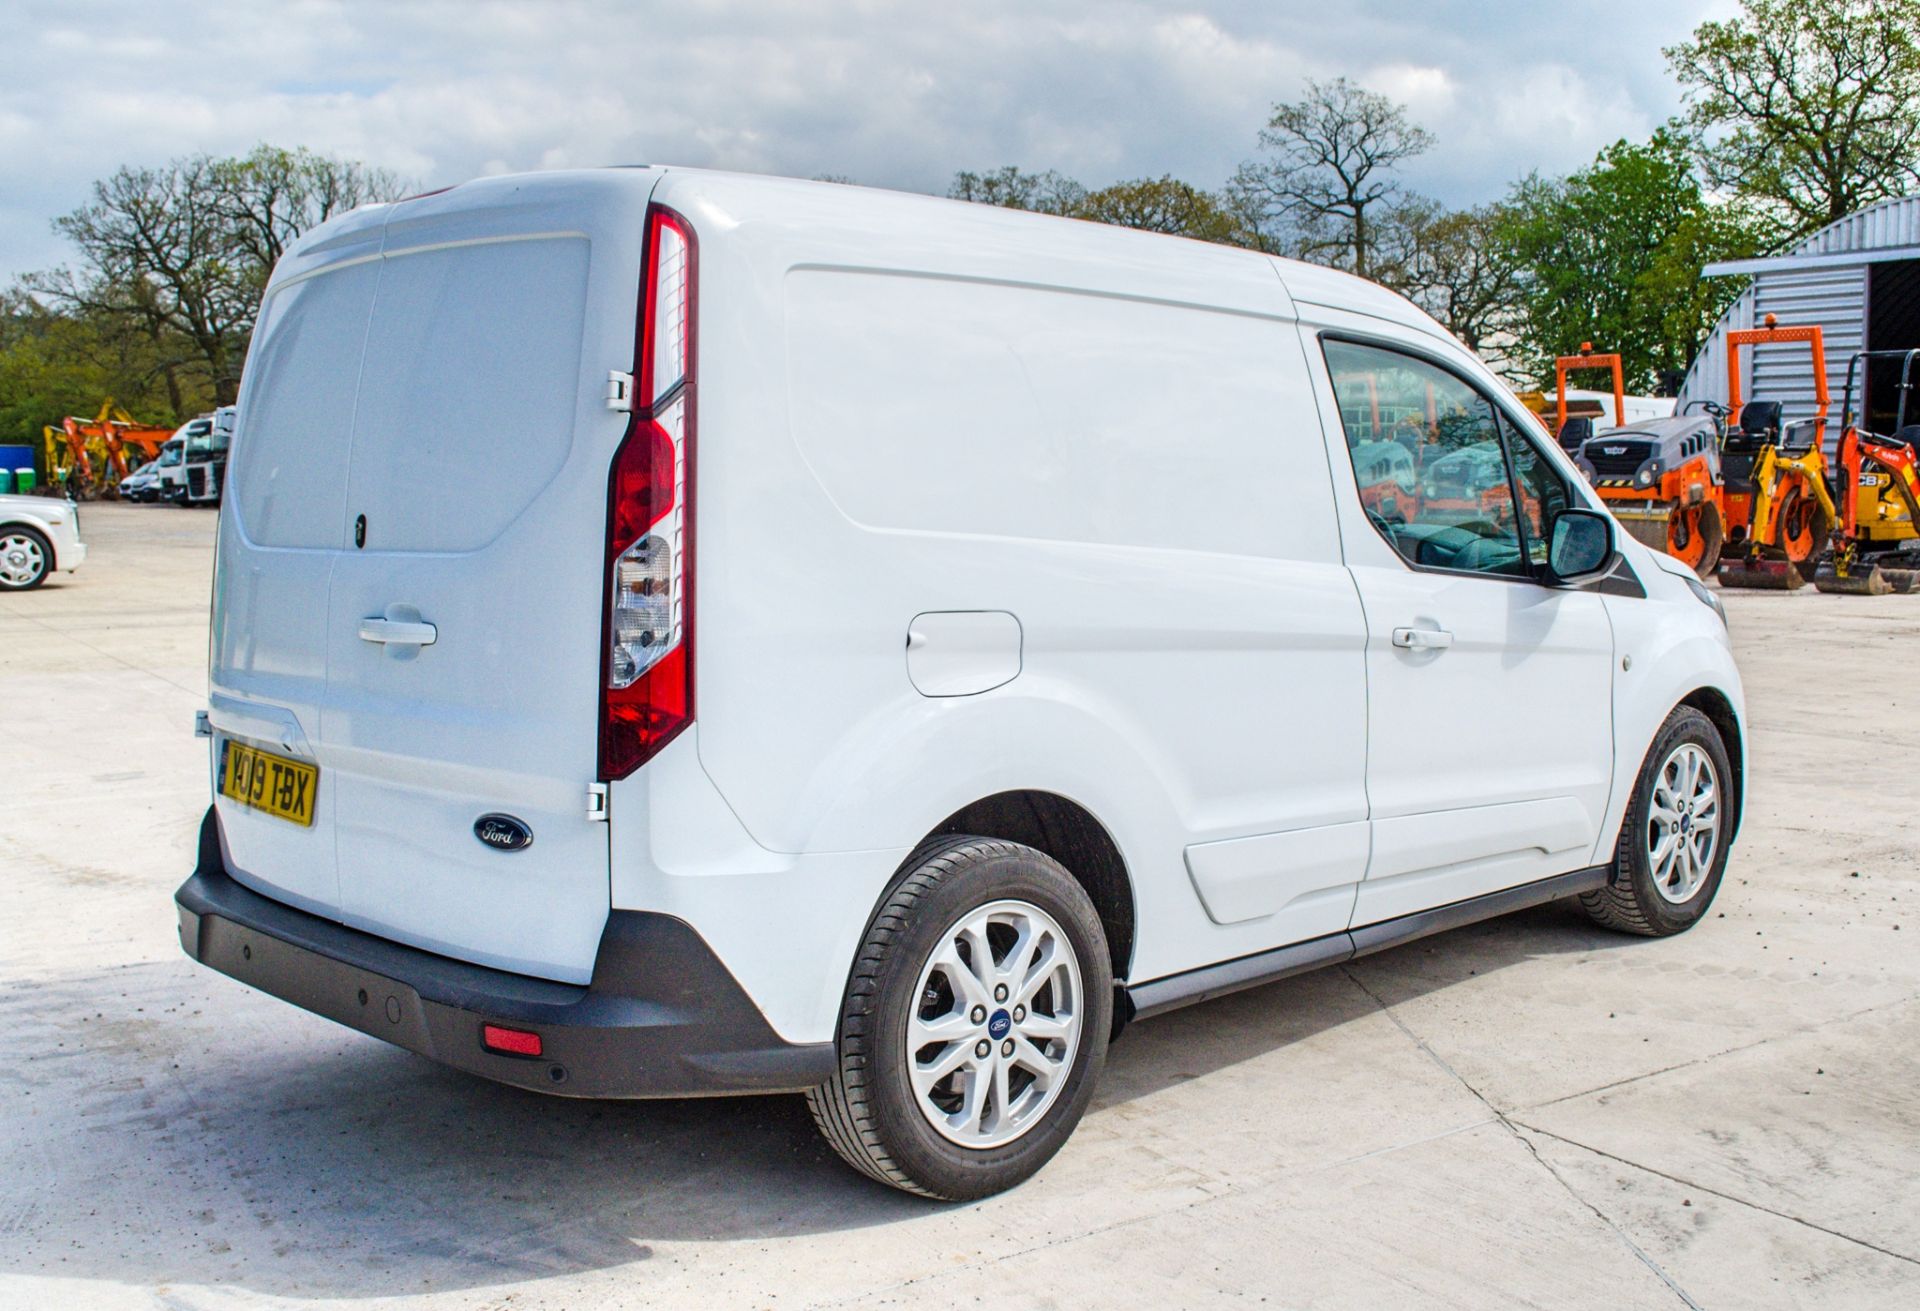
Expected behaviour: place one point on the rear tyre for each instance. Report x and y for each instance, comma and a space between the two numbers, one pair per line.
975, 1023
1803, 530
26, 558
1673, 844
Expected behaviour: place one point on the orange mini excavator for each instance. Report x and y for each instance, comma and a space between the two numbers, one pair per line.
1878, 492
1779, 508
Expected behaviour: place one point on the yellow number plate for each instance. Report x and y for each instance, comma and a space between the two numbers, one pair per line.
281, 787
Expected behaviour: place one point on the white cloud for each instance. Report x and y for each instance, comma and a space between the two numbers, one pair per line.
890, 92
1426, 91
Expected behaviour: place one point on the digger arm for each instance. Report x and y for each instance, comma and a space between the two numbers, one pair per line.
1770, 474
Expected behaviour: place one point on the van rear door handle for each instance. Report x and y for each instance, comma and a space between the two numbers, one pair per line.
400, 626
1422, 639
393, 630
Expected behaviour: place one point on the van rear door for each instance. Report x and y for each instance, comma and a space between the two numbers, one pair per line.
279, 535
462, 623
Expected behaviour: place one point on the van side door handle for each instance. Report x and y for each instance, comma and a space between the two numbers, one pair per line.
1422, 639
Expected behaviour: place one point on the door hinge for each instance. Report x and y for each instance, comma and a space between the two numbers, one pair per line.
596, 803
619, 391
202, 726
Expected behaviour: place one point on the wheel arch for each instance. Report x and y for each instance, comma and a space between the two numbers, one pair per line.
1715, 705
1067, 831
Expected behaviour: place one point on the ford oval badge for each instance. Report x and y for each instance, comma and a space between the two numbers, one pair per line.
503, 832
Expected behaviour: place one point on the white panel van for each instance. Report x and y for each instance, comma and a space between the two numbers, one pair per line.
679, 633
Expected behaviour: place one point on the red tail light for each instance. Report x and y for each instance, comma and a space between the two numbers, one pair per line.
646, 694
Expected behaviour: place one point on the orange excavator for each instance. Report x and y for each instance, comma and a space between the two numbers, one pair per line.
1779, 508
95, 454
1660, 477
1878, 493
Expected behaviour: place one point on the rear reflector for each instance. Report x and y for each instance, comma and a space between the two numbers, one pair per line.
509, 1042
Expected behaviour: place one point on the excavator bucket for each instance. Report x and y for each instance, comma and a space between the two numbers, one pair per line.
1901, 581
1860, 580
1761, 574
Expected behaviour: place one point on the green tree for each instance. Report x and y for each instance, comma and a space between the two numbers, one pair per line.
1812, 106
1047, 192
56, 364
1163, 204
1613, 255
1327, 178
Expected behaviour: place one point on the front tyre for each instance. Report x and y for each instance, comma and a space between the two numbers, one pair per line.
975, 1023
1673, 844
26, 558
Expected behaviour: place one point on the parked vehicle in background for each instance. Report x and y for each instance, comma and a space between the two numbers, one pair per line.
1659, 475
1598, 408
923, 640
173, 477
38, 535
144, 484
205, 462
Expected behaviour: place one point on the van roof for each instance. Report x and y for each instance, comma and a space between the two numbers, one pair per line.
956, 237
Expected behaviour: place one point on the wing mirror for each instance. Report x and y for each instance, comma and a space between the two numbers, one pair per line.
1580, 548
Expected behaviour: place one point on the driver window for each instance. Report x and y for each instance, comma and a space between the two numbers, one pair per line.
1428, 455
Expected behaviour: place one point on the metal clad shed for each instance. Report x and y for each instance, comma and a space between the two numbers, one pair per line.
1829, 278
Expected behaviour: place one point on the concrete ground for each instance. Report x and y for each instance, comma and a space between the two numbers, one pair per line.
1530, 1113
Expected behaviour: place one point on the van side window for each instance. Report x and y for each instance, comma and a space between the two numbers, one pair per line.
1428, 454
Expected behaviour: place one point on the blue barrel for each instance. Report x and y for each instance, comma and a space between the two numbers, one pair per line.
13, 458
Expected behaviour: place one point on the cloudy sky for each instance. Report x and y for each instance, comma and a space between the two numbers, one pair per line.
890, 94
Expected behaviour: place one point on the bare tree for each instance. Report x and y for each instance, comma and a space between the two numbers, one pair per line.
1456, 266
182, 251
271, 196
155, 249
1812, 105
1328, 174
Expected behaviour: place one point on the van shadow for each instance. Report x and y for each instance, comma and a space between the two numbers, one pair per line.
298, 1159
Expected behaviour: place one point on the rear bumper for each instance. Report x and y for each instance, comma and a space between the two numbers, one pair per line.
661, 1017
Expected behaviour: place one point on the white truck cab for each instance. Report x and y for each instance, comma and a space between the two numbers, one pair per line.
203, 464
918, 641
173, 472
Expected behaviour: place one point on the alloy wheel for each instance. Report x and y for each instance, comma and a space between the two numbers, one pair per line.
21, 560
1683, 823
997, 1022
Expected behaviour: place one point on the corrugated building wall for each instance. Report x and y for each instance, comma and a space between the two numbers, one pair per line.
1822, 280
